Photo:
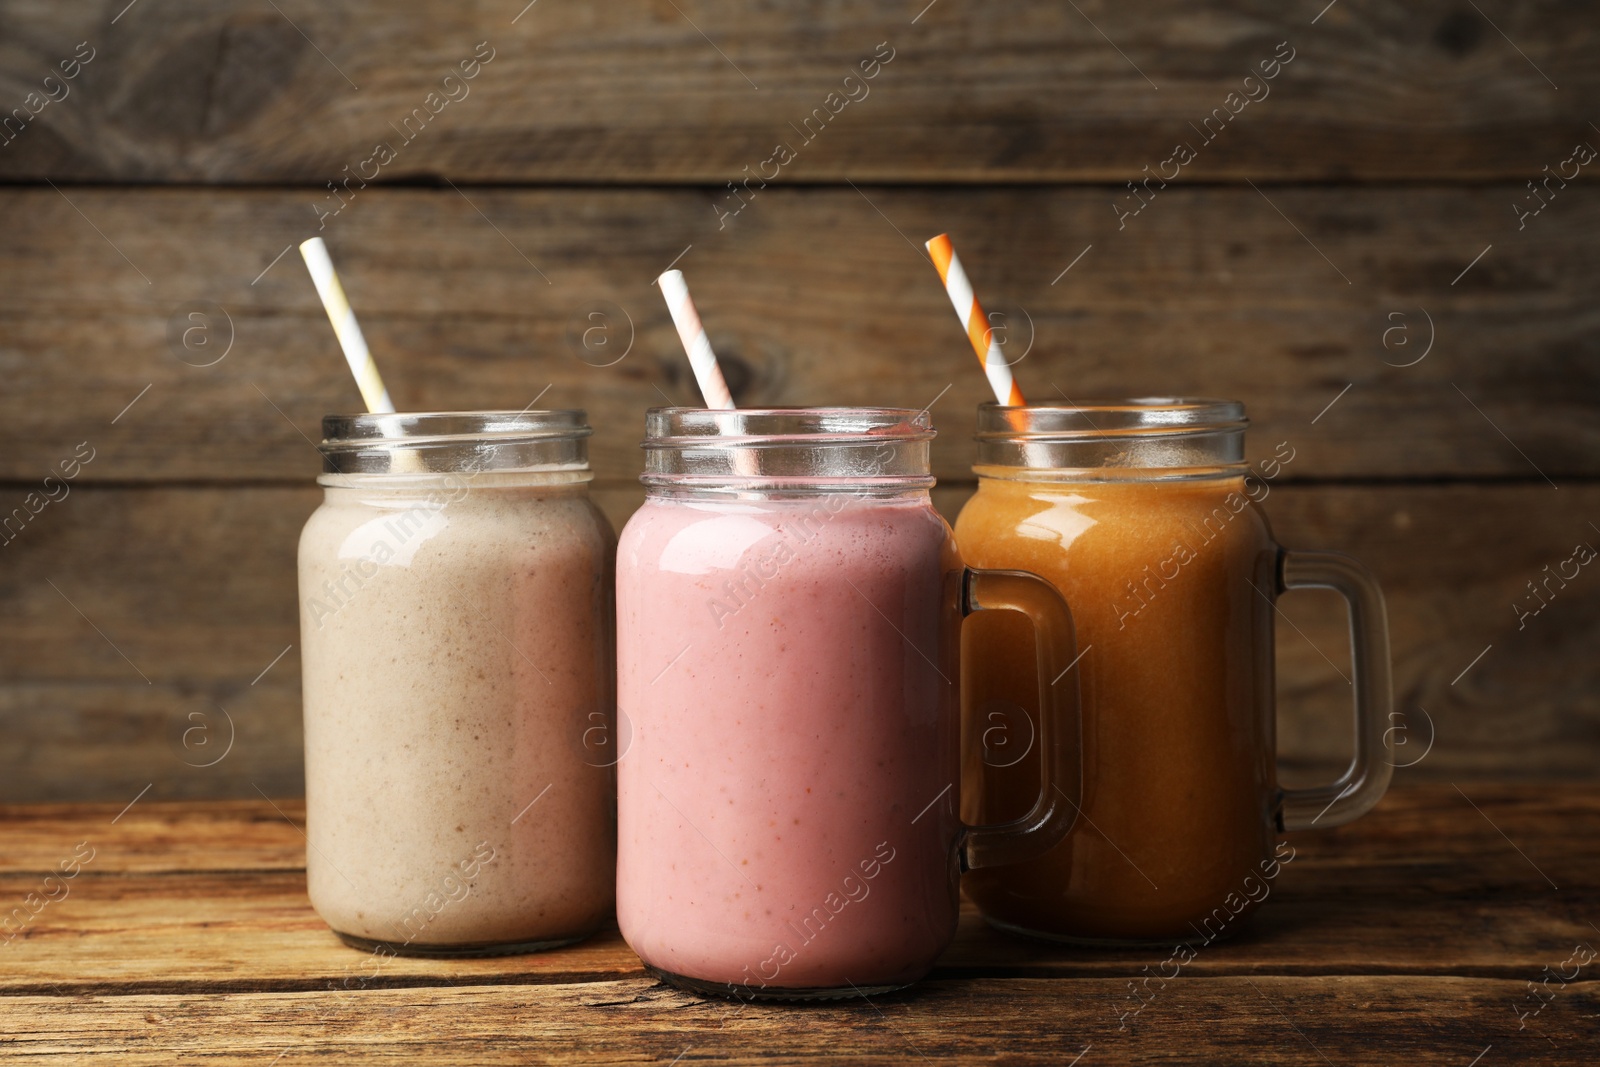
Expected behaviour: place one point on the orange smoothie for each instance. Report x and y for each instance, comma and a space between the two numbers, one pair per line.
1176, 689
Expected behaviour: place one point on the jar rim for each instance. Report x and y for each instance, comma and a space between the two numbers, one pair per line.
421, 442
1128, 417
413, 425
680, 427
1127, 435
794, 449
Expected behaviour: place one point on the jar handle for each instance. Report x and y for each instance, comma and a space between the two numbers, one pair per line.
1060, 725
1367, 778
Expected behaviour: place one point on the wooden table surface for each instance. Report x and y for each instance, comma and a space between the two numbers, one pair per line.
1451, 926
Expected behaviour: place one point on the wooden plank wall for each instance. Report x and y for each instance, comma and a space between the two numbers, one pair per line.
1353, 250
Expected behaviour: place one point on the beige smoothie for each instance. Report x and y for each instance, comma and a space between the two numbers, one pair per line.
456, 645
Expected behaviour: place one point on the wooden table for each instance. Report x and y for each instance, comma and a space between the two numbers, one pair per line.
1448, 927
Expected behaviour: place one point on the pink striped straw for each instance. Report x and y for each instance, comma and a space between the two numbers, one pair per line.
695, 342
702, 360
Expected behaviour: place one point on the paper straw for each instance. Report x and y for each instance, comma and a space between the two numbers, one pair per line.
976, 322
695, 342
345, 327
702, 360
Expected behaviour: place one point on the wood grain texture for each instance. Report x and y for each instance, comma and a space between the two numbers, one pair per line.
811, 297
237, 932
197, 590
1417, 930
221, 836
251, 932
157, 837
1290, 1021
661, 92
180, 899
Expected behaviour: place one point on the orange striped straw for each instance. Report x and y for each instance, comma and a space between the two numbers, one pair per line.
970, 312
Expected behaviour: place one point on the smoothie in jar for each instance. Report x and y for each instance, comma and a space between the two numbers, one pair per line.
1145, 517
456, 647
1176, 728
786, 814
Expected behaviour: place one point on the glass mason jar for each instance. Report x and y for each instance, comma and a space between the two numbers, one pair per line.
789, 608
1144, 515
456, 640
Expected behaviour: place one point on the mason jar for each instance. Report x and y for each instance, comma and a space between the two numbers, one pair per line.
789, 613
1144, 515
457, 648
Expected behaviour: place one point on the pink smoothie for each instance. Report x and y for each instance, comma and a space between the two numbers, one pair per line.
787, 806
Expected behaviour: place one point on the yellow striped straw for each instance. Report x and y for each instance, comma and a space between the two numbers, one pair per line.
970, 312
345, 327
